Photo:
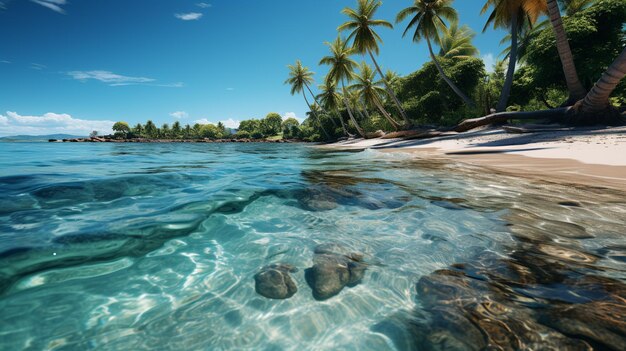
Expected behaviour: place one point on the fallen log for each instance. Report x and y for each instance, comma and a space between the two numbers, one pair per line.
503, 117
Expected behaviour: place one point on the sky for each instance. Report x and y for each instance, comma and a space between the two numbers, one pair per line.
72, 66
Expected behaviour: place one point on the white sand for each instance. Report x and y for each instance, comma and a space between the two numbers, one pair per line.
582, 155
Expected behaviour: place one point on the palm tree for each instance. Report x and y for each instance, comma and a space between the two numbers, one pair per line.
391, 76
456, 42
511, 14
370, 91
151, 129
342, 69
299, 78
572, 7
366, 40
330, 99
574, 86
428, 20
597, 100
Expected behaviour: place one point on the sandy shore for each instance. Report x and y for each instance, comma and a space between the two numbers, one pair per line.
588, 156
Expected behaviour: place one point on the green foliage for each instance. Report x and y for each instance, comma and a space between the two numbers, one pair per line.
242, 134
596, 36
249, 125
121, 129
271, 124
291, 128
210, 131
257, 134
427, 98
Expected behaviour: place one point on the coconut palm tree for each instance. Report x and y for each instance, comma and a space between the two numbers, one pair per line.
511, 14
342, 70
365, 39
574, 86
456, 42
299, 78
428, 20
370, 91
597, 100
391, 76
330, 99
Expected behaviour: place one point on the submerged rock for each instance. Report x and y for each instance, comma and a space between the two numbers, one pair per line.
333, 269
274, 281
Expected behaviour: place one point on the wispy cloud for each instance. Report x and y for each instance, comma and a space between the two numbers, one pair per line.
191, 16
179, 114
203, 5
50, 123
5, 61
118, 80
108, 77
490, 62
37, 66
230, 89
54, 5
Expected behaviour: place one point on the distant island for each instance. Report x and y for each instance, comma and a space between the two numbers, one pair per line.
272, 128
31, 138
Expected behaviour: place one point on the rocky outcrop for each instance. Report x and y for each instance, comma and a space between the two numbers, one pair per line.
274, 281
333, 269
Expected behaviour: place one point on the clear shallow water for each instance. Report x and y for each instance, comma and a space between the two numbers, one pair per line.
154, 246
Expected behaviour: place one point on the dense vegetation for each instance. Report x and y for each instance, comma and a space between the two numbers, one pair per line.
272, 126
544, 67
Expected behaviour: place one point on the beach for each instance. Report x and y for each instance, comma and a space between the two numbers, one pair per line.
584, 156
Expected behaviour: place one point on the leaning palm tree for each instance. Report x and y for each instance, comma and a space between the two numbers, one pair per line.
428, 20
572, 7
331, 99
456, 42
299, 78
370, 91
597, 100
365, 39
391, 76
341, 69
574, 86
511, 14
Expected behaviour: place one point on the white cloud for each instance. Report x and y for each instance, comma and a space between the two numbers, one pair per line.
490, 62
203, 5
54, 5
179, 114
230, 89
50, 123
292, 115
37, 66
191, 16
229, 123
203, 121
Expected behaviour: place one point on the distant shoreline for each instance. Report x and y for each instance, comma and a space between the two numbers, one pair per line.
145, 140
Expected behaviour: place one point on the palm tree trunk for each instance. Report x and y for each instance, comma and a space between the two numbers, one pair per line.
316, 116
390, 91
385, 113
345, 102
343, 125
456, 89
318, 104
508, 82
574, 86
597, 99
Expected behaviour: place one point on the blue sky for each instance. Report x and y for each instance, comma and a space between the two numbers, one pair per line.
76, 65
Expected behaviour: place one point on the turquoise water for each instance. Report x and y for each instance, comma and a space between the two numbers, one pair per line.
155, 246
